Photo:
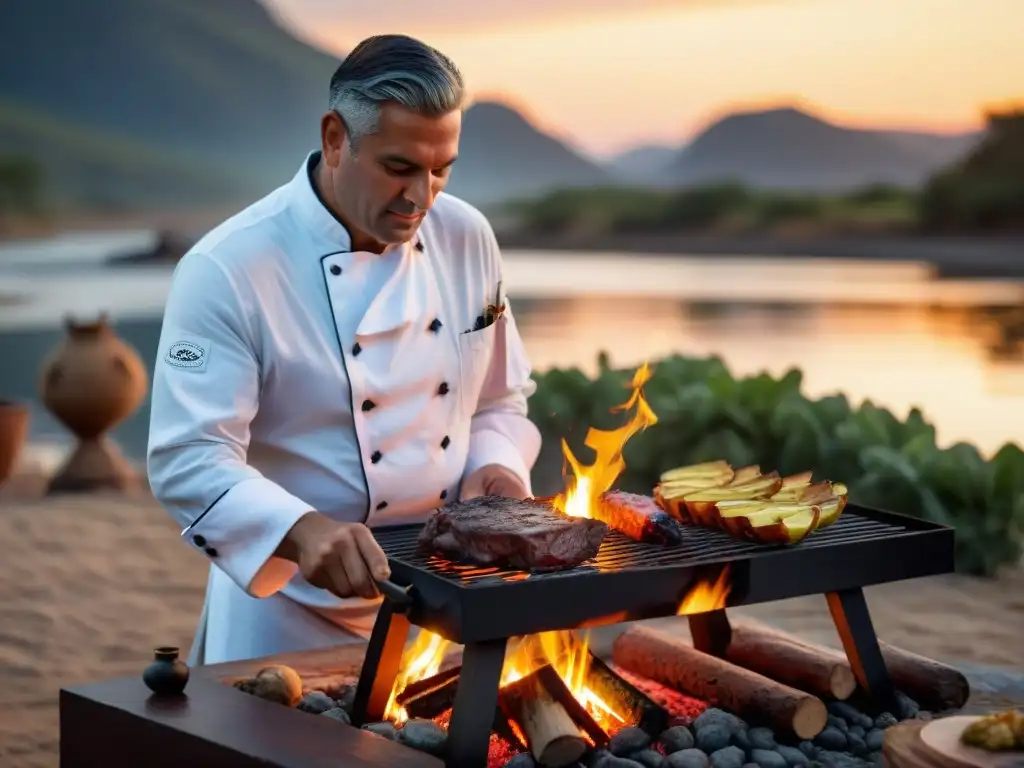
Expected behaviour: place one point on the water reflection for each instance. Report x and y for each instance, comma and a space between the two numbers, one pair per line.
898, 356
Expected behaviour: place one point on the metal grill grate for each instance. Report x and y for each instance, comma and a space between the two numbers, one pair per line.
699, 546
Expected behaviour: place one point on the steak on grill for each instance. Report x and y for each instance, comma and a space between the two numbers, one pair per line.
507, 533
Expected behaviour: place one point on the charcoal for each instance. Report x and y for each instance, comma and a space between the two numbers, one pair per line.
793, 756
844, 710
522, 760
857, 730
808, 748
831, 739
628, 740
676, 739
761, 738
876, 760
688, 758
619, 762
831, 759
597, 758
385, 729
906, 707
424, 735
337, 713
649, 758
712, 738
525, 535
768, 758
715, 716
838, 723
316, 702
874, 739
885, 720
730, 757
741, 739
856, 745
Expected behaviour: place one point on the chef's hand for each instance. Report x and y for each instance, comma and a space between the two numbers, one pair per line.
342, 558
493, 480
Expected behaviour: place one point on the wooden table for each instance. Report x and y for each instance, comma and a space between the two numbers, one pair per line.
120, 722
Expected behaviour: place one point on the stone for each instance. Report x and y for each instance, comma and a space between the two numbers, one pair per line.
649, 758
619, 762
858, 730
522, 760
676, 739
715, 716
831, 739
316, 702
885, 720
856, 745
712, 738
387, 730
762, 738
767, 758
847, 711
688, 758
628, 740
741, 739
830, 759
424, 735
838, 722
730, 757
874, 739
794, 757
876, 760
906, 707
337, 713
347, 698
808, 748
597, 758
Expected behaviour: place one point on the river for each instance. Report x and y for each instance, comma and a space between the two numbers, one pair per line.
885, 331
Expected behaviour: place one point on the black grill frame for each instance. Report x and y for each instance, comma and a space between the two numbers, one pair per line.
629, 580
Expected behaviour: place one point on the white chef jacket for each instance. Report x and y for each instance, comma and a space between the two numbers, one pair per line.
294, 374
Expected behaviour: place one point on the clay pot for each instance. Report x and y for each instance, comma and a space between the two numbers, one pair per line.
13, 431
92, 381
167, 675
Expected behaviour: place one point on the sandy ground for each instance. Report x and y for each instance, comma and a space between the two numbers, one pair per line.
89, 584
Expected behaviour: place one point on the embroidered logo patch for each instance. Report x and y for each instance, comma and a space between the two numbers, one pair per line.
186, 354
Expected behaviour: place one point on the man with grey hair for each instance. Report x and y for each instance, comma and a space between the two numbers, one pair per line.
335, 357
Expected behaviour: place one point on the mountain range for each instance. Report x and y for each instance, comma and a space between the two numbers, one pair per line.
147, 103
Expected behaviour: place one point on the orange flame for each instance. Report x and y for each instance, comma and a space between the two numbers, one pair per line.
584, 488
419, 661
706, 596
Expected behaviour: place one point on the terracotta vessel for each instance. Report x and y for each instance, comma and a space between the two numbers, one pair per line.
167, 675
92, 382
13, 431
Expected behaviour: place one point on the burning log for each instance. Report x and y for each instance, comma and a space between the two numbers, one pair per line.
551, 734
624, 699
788, 660
673, 662
825, 672
429, 697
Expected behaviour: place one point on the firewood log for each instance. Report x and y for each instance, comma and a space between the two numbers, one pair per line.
673, 662
932, 684
786, 659
551, 734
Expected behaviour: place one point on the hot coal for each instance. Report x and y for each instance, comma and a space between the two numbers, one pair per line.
528, 535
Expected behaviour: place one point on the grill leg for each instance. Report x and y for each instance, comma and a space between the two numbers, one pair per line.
711, 631
476, 699
849, 611
381, 665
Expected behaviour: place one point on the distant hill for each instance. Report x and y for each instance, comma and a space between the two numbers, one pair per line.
137, 103
791, 149
643, 164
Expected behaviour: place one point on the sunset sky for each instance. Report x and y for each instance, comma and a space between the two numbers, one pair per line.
609, 74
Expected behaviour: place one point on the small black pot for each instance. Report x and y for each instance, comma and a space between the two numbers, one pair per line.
166, 675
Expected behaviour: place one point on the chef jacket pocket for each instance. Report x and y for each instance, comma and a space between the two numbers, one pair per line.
476, 350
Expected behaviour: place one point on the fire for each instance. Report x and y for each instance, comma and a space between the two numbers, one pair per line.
706, 596
419, 661
585, 486
569, 655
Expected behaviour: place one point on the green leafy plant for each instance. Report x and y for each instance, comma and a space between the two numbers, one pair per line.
705, 413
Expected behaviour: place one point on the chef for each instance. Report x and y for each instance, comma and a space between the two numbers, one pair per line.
338, 356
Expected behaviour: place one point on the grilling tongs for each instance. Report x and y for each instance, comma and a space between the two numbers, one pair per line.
400, 597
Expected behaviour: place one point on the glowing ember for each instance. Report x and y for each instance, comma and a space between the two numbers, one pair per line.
585, 486
419, 661
706, 596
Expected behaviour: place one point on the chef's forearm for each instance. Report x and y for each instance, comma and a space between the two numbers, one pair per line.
229, 512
